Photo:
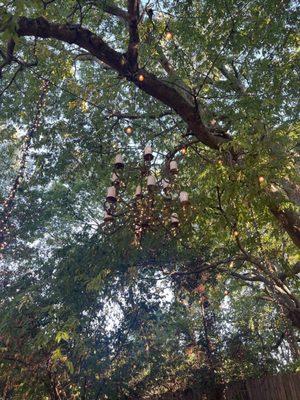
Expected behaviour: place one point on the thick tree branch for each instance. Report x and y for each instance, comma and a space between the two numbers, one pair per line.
8, 57
133, 12
112, 9
84, 38
120, 115
174, 78
295, 270
288, 218
152, 85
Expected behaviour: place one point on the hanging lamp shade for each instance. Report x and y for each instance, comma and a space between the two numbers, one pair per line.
151, 182
174, 220
138, 192
173, 167
148, 156
111, 194
184, 198
119, 163
165, 185
107, 217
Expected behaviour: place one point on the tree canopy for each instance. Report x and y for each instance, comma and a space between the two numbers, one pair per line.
150, 294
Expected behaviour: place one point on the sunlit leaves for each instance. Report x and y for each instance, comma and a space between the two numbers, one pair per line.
85, 306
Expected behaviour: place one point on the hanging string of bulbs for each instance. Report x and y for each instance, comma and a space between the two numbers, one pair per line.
9, 203
154, 200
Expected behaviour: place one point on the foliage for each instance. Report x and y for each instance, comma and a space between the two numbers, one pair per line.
85, 313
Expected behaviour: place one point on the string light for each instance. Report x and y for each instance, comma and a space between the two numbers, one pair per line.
184, 151
261, 179
128, 130
169, 35
8, 204
141, 78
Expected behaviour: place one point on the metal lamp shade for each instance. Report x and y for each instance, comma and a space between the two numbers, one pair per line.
111, 194
119, 163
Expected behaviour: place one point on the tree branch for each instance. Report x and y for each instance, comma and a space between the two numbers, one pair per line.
112, 9
233, 78
288, 218
132, 52
155, 87
295, 270
180, 146
8, 57
12, 80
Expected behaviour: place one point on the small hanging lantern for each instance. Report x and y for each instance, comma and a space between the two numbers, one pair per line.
165, 185
111, 194
174, 220
138, 192
151, 182
190, 350
200, 288
173, 167
115, 179
107, 217
119, 163
184, 151
128, 130
184, 198
169, 35
148, 156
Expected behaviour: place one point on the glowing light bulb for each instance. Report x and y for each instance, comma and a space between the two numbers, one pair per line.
261, 179
128, 130
169, 35
141, 77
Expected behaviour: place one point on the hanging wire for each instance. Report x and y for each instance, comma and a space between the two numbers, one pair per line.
9, 203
